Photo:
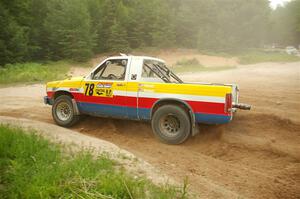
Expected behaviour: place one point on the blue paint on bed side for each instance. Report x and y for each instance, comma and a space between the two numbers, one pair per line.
212, 118
142, 113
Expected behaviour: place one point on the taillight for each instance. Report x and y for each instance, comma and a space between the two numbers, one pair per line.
228, 103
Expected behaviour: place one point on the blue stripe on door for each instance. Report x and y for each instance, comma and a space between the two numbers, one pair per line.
114, 111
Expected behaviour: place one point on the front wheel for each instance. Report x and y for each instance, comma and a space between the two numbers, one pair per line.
171, 124
63, 111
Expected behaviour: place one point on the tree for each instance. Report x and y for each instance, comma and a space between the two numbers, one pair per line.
76, 29
285, 24
95, 11
117, 39
13, 38
37, 36
233, 25
188, 16
108, 20
163, 31
68, 26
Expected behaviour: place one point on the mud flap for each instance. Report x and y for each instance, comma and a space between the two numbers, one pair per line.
48, 101
195, 128
76, 110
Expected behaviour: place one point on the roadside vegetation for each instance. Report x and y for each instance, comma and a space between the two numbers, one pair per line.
193, 65
33, 72
33, 167
79, 29
253, 57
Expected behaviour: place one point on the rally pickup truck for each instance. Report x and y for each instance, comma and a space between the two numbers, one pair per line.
143, 88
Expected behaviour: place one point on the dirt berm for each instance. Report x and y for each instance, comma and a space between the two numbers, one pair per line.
77, 141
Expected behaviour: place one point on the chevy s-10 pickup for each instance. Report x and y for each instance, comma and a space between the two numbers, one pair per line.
143, 88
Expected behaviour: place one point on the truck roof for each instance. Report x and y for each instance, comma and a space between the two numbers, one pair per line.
136, 57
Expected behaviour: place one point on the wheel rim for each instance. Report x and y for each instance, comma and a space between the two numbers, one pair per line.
169, 125
63, 111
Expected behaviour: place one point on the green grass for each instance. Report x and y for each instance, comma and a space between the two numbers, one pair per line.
32, 167
218, 54
33, 72
193, 65
195, 68
185, 62
254, 57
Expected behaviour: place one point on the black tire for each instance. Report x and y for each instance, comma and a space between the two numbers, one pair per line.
63, 111
171, 124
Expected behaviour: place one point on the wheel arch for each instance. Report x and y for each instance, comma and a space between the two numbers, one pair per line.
175, 101
62, 92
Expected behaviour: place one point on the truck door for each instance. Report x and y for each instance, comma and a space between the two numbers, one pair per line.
105, 90
132, 87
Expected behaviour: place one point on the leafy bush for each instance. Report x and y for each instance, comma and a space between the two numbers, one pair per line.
185, 62
253, 57
32, 167
194, 68
33, 72
193, 65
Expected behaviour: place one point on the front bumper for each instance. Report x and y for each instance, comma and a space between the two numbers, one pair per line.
48, 100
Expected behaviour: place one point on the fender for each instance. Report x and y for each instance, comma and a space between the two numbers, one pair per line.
60, 91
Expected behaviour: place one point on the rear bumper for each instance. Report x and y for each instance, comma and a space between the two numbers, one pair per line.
48, 100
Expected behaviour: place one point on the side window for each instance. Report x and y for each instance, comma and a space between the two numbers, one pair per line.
114, 69
148, 72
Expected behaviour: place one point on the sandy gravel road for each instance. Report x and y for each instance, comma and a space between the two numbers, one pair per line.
257, 155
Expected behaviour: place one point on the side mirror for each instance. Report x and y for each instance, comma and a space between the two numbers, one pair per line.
92, 75
69, 76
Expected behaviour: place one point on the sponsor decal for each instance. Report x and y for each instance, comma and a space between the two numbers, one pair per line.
104, 92
74, 89
100, 90
104, 85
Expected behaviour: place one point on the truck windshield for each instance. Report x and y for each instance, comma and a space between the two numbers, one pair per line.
159, 69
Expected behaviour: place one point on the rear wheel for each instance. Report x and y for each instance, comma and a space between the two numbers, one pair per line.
171, 124
63, 111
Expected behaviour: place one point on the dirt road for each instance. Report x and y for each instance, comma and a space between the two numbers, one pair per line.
257, 155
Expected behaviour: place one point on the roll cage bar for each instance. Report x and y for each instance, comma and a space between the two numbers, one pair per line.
164, 73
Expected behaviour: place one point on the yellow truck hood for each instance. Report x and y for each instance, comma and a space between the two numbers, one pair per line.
70, 82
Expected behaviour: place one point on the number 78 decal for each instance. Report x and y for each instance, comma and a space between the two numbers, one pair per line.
90, 90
